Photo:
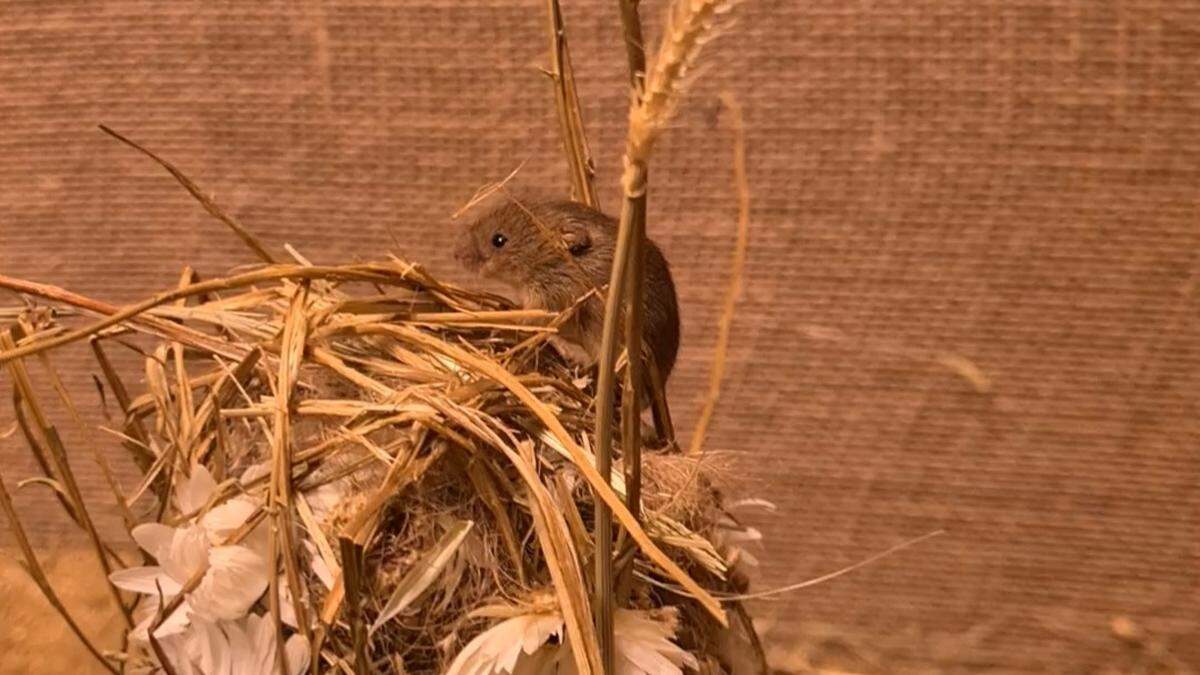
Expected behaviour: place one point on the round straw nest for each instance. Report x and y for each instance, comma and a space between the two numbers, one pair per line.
400, 471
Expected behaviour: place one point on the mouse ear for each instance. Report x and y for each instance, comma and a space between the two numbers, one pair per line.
575, 237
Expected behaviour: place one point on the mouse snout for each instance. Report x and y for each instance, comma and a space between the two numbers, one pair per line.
467, 254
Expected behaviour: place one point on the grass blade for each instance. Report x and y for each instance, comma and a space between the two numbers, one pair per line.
423, 572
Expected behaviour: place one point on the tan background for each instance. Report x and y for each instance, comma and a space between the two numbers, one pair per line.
1015, 183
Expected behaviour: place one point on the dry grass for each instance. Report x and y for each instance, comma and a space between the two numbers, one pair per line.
429, 405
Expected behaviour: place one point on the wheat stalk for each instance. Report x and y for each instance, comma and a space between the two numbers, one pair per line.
736, 274
690, 25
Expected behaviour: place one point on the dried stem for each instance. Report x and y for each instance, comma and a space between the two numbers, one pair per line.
689, 26
562, 559
58, 455
379, 273
791, 588
570, 115
139, 446
41, 454
165, 610
352, 570
635, 273
736, 274
34, 568
209, 205
635, 45
89, 438
281, 495
605, 390
626, 278
631, 441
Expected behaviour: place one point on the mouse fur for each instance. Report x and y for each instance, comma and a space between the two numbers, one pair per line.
553, 252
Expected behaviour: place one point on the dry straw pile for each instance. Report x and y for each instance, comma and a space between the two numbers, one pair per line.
363, 469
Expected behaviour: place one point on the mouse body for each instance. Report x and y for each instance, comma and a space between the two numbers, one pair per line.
551, 254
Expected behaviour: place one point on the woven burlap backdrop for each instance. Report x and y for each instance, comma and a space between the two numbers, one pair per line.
936, 183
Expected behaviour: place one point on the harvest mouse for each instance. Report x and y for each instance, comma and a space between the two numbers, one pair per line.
554, 252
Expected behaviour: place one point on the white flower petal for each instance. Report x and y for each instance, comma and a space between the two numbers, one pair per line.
540, 630
643, 641
323, 499
188, 555
298, 654
177, 622
252, 647
507, 646
241, 654
206, 646
145, 580
144, 613
194, 492
262, 638
259, 540
645, 659
225, 519
546, 661
236, 578
287, 608
147, 611
154, 538
175, 648
319, 567
222, 657
740, 535
506, 661
254, 472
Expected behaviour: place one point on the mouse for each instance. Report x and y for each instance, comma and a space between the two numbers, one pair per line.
551, 253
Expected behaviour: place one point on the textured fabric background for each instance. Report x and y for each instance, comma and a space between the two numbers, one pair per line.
1010, 183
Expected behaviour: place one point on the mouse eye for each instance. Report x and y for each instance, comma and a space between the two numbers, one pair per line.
499, 240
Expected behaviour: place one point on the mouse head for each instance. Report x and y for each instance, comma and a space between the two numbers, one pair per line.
522, 243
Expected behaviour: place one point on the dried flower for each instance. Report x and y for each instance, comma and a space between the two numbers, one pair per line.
234, 575
643, 643
519, 646
242, 647
509, 646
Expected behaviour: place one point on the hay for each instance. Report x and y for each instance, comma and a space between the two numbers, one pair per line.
419, 427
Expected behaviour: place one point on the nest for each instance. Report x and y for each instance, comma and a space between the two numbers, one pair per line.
376, 471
